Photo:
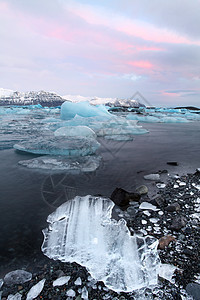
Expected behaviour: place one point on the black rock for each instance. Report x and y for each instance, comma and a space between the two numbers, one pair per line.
122, 198
178, 222
173, 207
193, 289
158, 201
172, 163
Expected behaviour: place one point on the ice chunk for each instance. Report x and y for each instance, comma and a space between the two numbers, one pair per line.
15, 297
81, 164
84, 294
81, 131
71, 293
144, 119
1, 283
161, 185
83, 109
78, 281
81, 230
152, 177
166, 271
61, 281
147, 205
17, 277
59, 146
36, 290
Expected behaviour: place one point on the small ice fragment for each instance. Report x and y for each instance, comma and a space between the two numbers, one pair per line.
161, 185
196, 186
78, 281
147, 205
166, 271
147, 213
144, 222
191, 193
14, 297
61, 280
143, 231
1, 282
160, 212
176, 186
153, 220
84, 294
17, 277
36, 290
71, 293
152, 177
182, 184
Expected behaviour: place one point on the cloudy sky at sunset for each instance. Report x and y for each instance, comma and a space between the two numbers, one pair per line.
105, 48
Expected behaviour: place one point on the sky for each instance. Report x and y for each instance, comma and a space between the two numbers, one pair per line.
105, 48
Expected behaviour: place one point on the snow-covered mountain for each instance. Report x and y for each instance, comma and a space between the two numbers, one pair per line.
9, 97
30, 98
125, 103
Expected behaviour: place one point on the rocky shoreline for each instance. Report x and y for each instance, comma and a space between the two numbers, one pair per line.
173, 219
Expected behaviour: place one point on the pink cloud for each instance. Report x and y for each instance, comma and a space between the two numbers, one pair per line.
141, 64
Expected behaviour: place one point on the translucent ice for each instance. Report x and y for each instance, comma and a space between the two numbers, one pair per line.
15, 297
80, 164
61, 281
81, 131
1, 283
59, 146
35, 290
71, 293
78, 281
166, 271
81, 230
147, 205
17, 277
83, 109
84, 294
152, 177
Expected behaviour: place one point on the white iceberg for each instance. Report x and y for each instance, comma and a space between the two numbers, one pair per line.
83, 109
82, 231
63, 163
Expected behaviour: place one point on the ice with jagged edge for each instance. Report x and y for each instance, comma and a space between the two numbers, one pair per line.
63, 163
82, 231
59, 145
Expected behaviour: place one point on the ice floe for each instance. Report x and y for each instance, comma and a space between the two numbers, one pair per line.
59, 146
81, 230
63, 163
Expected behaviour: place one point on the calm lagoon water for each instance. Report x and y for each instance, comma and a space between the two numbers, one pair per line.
24, 206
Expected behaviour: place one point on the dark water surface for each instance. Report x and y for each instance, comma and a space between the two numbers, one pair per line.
27, 196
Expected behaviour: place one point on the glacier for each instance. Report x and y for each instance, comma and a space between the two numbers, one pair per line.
82, 231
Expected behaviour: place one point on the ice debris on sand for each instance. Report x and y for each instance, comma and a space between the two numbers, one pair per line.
152, 177
36, 290
80, 164
61, 280
82, 231
166, 271
17, 277
17, 296
147, 205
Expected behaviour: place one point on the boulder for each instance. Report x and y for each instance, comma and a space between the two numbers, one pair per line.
165, 241
122, 198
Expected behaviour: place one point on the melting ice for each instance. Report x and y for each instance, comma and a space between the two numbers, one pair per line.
81, 230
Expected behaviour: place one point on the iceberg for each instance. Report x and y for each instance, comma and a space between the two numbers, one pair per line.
63, 163
59, 145
81, 131
82, 231
84, 109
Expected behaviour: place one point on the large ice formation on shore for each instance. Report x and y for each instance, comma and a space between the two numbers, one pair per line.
83, 109
81, 230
